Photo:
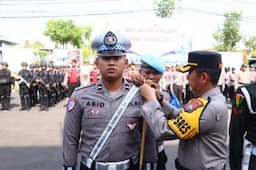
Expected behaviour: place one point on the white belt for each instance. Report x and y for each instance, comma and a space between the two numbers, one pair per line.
253, 150
122, 165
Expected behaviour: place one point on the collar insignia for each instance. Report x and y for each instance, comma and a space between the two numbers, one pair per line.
110, 39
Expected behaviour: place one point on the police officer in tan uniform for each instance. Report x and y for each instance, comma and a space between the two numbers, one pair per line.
201, 124
90, 112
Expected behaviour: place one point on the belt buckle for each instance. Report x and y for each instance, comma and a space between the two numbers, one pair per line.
123, 165
112, 166
105, 166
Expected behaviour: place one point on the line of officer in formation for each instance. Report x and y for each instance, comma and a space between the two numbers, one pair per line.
44, 84
37, 85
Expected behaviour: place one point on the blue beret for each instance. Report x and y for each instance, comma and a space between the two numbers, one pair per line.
202, 59
153, 62
111, 44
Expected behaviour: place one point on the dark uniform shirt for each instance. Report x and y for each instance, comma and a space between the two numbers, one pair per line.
243, 123
5, 77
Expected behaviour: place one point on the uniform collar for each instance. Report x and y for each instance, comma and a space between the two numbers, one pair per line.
101, 88
212, 92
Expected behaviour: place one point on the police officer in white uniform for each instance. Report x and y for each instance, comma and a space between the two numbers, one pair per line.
91, 108
201, 124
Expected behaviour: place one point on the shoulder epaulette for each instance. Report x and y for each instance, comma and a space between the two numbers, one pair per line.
85, 87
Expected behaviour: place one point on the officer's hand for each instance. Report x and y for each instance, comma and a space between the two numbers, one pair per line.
137, 79
147, 92
156, 86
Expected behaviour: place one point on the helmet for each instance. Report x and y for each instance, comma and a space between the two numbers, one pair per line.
51, 65
32, 65
4, 63
44, 64
24, 64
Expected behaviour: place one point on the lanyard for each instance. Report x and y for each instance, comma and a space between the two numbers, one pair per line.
111, 125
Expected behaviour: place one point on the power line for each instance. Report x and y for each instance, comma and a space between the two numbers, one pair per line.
80, 14
48, 14
43, 2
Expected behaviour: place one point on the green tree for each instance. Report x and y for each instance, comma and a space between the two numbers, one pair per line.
64, 32
34, 45
250, 44
228, 35
164, 8
87, 50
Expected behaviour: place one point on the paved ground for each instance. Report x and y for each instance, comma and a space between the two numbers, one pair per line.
31, 140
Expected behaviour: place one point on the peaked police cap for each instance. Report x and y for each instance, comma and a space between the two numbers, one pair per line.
111, 44
202, 59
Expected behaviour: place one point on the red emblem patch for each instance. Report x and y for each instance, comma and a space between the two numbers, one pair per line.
236, 111
192, 105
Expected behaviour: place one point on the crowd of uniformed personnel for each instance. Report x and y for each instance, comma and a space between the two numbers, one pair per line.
230, 80
46, 82
38, 84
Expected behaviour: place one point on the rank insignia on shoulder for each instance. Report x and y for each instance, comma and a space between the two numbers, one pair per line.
71, 104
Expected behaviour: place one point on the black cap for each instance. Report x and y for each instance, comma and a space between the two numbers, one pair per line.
202, 59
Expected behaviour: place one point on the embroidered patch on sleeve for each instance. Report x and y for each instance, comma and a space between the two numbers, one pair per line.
71, 104
239, 99
192, 105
